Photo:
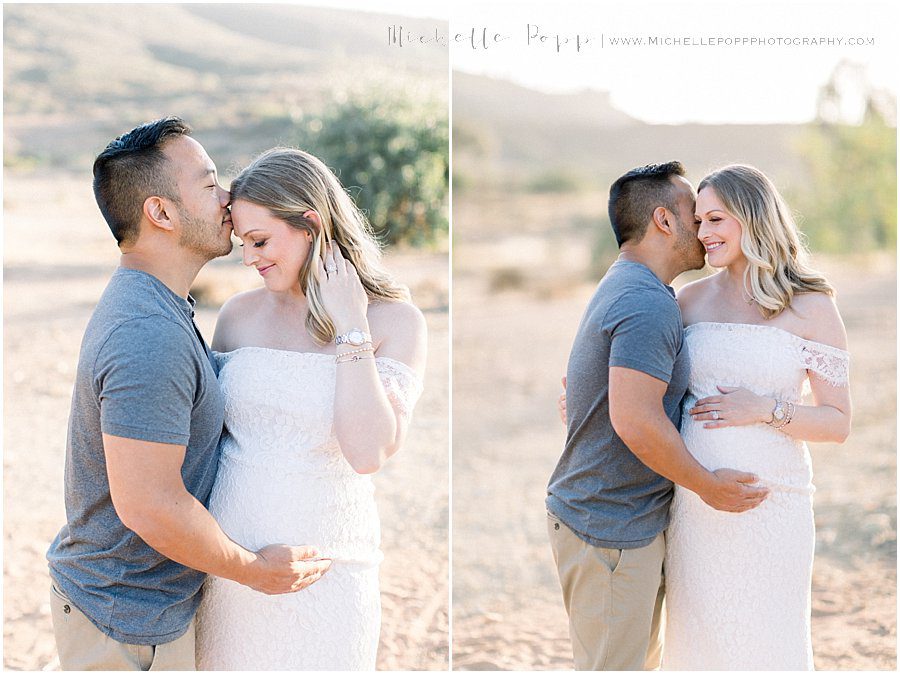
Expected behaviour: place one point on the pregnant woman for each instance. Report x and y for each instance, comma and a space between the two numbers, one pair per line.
320, 369
757, 332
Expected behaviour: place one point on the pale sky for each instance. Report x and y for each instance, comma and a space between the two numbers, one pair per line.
676, 84
421, 8
670, 84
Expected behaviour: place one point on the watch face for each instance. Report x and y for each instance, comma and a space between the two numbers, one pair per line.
356, 337
778, 413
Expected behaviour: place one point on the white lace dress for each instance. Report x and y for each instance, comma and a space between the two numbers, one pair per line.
282, 479
738, 584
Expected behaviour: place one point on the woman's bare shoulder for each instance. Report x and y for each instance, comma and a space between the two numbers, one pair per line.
393, 317
236, 308
694, 294
400, 331
818, 319
241, 304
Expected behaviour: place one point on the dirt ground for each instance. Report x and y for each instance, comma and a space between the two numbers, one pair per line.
58, 257
517, 300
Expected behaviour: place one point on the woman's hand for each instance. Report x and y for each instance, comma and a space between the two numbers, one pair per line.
734, 407
561, 403
343, 295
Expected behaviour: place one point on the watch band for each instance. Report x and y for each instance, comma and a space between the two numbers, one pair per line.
355, 337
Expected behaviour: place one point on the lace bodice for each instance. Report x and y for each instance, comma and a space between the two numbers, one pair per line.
279, 405
762, 358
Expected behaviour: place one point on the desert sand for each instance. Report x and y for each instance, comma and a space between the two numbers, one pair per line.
58, 257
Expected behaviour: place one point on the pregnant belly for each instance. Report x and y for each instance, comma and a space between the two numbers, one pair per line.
780, 462
257, 505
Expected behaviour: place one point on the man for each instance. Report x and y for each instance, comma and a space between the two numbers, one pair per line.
608, 498
144, 426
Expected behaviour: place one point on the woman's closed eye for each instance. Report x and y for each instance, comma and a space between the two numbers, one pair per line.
257, 244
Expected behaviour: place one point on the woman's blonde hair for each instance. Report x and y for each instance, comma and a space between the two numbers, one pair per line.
290, 182
778, 261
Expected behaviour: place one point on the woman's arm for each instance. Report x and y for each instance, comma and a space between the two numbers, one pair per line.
369, 427
827, 420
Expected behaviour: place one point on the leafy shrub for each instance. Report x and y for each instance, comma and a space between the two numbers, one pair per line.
392, 155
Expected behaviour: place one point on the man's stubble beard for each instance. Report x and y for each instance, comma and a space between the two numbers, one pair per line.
689, 249
203, 238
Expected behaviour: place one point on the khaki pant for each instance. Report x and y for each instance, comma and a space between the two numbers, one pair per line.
82, 646
614, 599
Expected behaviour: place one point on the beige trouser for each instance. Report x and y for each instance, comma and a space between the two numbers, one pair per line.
82, 646
614, 600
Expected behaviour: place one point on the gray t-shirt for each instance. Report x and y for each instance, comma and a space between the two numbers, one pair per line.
599, 489
145, 373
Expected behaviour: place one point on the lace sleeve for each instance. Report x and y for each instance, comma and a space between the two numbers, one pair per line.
402, 385
828, 362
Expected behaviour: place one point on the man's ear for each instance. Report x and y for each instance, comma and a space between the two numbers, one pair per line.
662, 219
159, 211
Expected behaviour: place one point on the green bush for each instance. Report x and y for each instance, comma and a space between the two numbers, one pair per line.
392, 155
852, 203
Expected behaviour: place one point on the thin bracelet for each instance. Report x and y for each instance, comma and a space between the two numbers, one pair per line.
354, 359
790, 414
352, 351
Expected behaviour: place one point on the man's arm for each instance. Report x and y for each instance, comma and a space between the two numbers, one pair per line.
150, 498
638, 417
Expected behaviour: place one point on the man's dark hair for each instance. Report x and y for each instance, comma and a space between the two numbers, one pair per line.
132, 168
634, 197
